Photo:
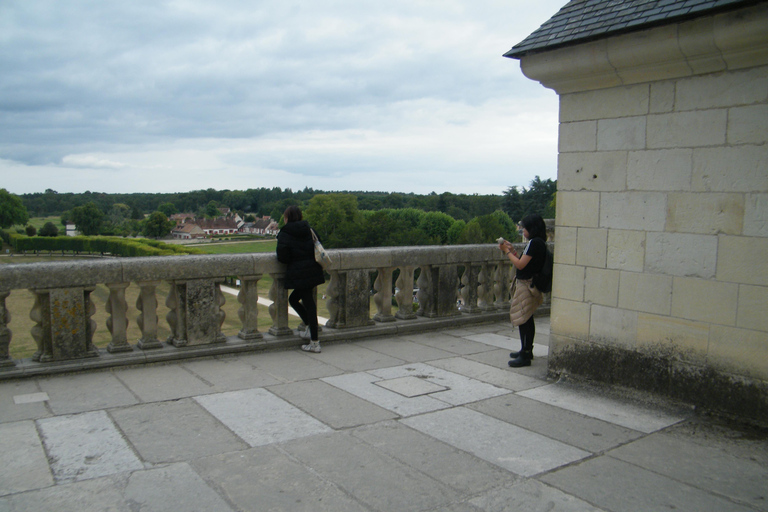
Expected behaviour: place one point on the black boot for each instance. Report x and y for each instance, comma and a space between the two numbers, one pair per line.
515, 355
523, 359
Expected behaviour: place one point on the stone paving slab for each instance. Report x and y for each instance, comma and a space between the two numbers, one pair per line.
458, 388
259, 417
71, 394
12, 411
619, 412
266, 478
446, 341
617, 485
24, 463
513, 448
363, 385
331, 405
507, 343
405, 350
531, 496
165, 382
411, 386
704, 467
229, 374
354, 358
290, 365
574, 429
174, 431
456, 468
86, 445
378, 481
503, 378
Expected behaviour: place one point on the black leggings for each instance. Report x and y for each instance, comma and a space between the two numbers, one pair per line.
302, 300
527, 332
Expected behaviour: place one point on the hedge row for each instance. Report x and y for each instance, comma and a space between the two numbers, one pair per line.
95, 245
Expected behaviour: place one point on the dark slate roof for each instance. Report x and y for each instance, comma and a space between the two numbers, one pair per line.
586, 20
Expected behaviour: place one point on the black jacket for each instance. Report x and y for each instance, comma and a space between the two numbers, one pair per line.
296, 249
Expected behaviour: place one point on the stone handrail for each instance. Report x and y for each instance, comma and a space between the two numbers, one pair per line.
456, 284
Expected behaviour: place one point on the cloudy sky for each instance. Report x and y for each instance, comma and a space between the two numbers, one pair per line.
171, 96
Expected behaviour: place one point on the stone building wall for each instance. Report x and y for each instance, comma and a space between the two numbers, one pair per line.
661, 268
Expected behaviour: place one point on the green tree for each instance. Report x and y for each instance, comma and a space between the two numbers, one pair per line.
87, 219
30, 230
473, 233
436, 226
12, 210
48, 229
167, 209
455, 232
212, 210
333, 217
157, 225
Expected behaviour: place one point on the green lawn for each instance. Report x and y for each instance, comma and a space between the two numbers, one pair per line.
236, 247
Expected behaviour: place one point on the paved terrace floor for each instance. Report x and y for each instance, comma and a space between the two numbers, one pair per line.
428, 422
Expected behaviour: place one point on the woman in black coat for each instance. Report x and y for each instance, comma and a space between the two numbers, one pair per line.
296, 249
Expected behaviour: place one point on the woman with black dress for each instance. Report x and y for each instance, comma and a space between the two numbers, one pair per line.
525, 297
296, 249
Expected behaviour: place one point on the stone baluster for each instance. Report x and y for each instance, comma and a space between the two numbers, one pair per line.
404, 295
221, 315
437, 291
5, 332
147, 320
352, 298
278, 310
249, 312
383, 297
501, 283
175, 316
63, 325
469, 289
485, 288
117, 322
333, 299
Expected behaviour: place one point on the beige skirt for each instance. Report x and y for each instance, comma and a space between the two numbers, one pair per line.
526, 298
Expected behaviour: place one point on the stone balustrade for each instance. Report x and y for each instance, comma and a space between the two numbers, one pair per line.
453, 285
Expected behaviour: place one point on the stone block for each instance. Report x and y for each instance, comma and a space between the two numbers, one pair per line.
665, 169
569, 318
613, 326
730, 169
722, 90
687, 129
578, 209
566, 245
621, 134
569, 283
577, 136
662, 97
626, 250
605, 103
606, 170
752, 308
705, 301
602, 287
698, 46
592, 247
708, 214
755, 216
740, 351
748, 125
680, 254
686, 338
649, 293
743, 260
643, 211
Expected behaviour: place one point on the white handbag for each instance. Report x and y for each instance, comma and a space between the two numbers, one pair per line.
321, 255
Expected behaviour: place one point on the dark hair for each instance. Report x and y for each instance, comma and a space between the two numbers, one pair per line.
535, 226
292, 214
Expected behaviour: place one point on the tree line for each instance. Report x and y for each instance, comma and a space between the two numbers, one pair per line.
346, 219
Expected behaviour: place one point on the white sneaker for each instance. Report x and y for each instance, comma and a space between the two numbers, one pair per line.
305, 335
314, 346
